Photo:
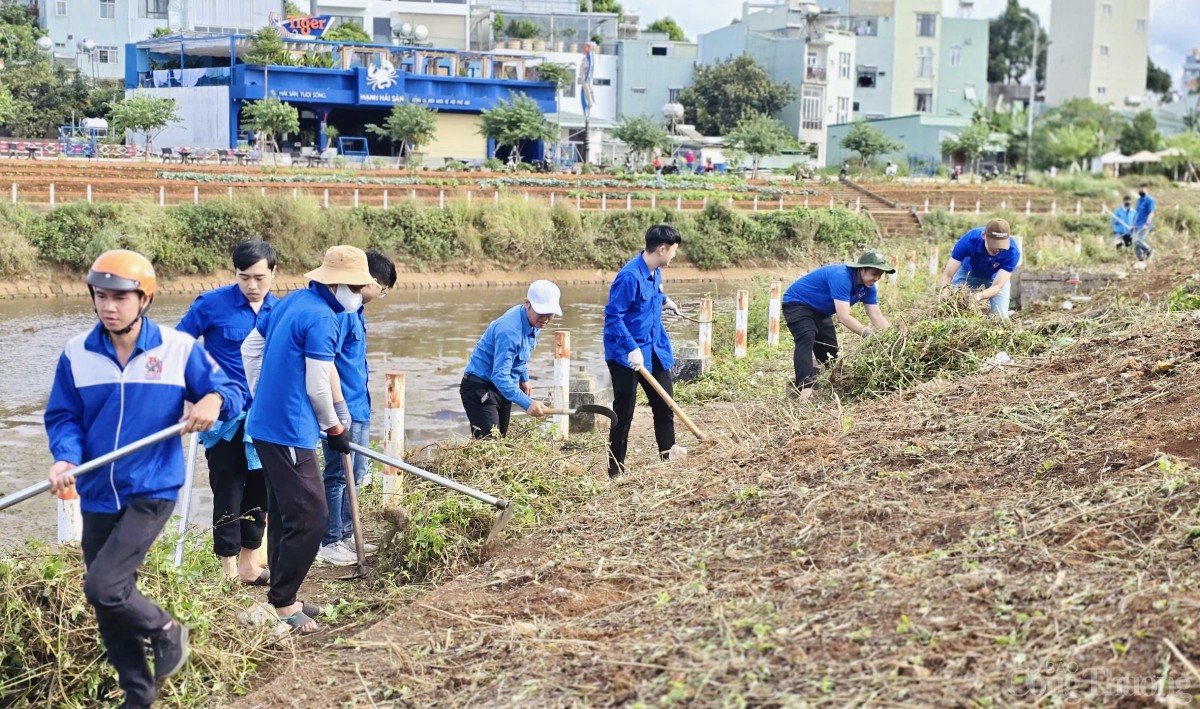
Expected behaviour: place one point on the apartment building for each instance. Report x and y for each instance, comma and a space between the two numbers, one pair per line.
1191, 72
446, 22
651, 71
1098, 50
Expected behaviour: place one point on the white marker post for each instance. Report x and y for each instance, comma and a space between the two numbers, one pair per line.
933, 262
741, 318
393, 435
70, 518
706, 334
562, 383
774, 310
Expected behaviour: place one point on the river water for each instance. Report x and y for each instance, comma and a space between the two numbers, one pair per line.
428, 334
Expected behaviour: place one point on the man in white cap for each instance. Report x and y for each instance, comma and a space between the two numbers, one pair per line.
983, 260
497, 375
289, 360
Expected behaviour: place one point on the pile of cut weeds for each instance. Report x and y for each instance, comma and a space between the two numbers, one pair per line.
1015, 536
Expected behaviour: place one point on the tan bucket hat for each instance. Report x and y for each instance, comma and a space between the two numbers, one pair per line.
343, 264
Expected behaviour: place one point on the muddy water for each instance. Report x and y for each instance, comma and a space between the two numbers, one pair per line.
426, 334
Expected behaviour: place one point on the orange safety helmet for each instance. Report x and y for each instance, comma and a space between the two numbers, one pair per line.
123, 270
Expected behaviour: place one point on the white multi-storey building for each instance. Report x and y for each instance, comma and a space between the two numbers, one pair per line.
1098, 50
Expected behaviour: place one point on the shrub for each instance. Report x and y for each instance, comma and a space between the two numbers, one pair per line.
17, 255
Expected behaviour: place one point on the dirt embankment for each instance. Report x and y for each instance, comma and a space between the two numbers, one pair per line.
1015, 537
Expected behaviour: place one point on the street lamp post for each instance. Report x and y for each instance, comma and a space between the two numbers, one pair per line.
1032, 101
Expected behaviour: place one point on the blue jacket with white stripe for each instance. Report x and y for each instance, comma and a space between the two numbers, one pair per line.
96, 407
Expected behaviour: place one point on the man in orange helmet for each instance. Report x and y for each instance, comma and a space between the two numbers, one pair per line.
123, 380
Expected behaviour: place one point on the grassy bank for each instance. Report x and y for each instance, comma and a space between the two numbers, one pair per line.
196, 239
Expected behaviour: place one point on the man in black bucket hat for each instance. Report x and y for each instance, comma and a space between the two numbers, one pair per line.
813, 300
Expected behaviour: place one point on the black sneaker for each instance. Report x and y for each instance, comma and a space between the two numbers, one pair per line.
170, 650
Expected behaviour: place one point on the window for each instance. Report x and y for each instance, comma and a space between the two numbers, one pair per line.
603, 82
658, 51
673, 95
843, 109
924, 62
810, 109
867, 76
1104, 50
106, 55
1101, 91
866, 26
857, 106
1141, 25
336, 20
844, 65
60, 8
108, 9
155, 9
1106, 9
382, 30
924, 101
955, 55
638, 89
926, 25
969, 93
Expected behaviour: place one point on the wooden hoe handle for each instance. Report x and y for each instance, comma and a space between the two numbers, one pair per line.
687, 421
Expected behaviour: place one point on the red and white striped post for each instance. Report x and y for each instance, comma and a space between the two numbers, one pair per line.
706, 311
393, 436
741, 322
933, 262
562, 383
70, 518
774, 310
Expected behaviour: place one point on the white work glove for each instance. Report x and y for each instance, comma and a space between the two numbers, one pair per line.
672, 307
636, 359
867, 332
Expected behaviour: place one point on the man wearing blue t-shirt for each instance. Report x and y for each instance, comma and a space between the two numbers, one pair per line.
983, 260
289, 361
353, 404
498, 374
1143, 222
224, 317
813, 300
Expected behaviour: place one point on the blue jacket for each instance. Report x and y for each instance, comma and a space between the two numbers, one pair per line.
96, 407
502, 355
633, 316
223, 317
1122, 220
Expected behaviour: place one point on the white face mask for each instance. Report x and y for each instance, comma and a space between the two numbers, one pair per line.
349, 300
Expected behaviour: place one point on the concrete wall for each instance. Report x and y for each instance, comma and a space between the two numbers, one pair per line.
920, 134
645, 80
457, 137
205, 114
966, 40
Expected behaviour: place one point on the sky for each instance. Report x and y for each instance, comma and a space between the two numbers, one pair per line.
1174, 24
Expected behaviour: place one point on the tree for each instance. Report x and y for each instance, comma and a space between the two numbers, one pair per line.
346, 32
19, 34
266, 48
513, 122
1157, 81
102, 100
1141, 134
1186, 154
44, 97
972, 142
146, 115
561, 75
291, 9
160, 32
271, 118
642, 134
868, 141
1010, 44
6, 105
724, 93
760, 136
1072, 145
668, 26
601, 6
409, 124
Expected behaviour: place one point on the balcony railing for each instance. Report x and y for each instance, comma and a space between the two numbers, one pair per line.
815, 73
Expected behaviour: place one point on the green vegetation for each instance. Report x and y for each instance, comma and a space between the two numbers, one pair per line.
347, 32
725, 93
868, 141
514, 121
409, 124
643, 135
669, 27
144, 114
759, 136
271, 118
193, 239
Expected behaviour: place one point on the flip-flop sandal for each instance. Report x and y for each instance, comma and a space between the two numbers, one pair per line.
264, 579
299, 620
312, 611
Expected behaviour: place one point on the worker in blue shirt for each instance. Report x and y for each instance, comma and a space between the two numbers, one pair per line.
1122, 224
125, 379
812, 302
983, 260
288, 359
353, 404
1143, 222
497, 376
634, 338
223, 318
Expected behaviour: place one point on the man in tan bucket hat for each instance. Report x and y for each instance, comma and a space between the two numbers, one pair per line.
289, 359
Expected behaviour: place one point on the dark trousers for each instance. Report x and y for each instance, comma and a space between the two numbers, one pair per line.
296, 505
625, 384
486, 408
239, 497
114, 546
815, 335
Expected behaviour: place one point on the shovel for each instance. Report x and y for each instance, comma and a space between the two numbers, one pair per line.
504, 506
705, 440
585, 409
43, 486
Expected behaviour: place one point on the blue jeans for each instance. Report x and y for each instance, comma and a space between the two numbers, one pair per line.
998, 302
1141, 247
339, 526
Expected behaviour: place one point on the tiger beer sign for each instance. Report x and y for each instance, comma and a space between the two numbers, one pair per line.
311, 26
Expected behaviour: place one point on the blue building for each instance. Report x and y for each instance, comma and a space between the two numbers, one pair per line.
336, 84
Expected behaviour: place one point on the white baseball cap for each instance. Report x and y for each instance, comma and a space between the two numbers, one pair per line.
543, 298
